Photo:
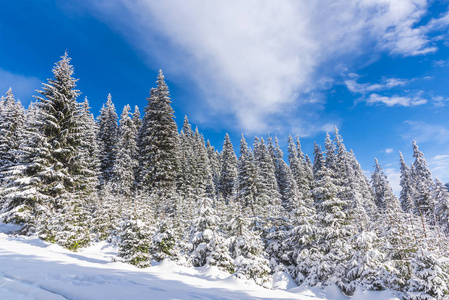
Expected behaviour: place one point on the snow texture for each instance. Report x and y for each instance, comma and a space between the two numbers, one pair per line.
33, 269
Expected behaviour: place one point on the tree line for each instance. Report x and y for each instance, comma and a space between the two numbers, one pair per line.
158, 193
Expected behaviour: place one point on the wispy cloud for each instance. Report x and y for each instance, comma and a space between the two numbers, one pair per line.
365, 88
439, 166
395, 100
22, 86
389, 150
439, 101
425, 132
256, 60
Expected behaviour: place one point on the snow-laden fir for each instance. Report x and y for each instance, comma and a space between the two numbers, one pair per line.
168, 198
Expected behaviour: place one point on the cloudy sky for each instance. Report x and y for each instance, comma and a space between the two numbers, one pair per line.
377, 69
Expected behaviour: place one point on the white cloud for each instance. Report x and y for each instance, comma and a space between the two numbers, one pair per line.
425, 132
389, 150
22, 86
367, 89
441, 63
439, 101
364, 88
256, 60
395, 100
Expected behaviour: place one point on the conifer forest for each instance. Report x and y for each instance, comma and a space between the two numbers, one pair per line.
159, 191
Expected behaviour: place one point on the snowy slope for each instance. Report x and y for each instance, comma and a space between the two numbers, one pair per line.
33, 269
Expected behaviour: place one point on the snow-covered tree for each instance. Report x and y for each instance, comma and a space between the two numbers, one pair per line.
89, 151
164, 244
383, 194
214, 160
430, 277
209, 247
268, 187
406, 196
441, 196
107, 139
135, 243
368, 267
12, 122
48, 182
125, 161
422, 179
228, 174
247, 250
335, 229
248, 180
158, 141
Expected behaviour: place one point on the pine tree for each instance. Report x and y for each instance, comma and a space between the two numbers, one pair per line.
228, 174
296, 165
125, 162
422, 178
354, 186
136, 119
407, 189
49, 185
441, 196
268, 187
209, 247
12, 122
163, 244
247, 250
186, 179
331, 159
89, 151
383, 195
306, 185
430, 277
205, 177
214, 159
159, 148
335, 230
318, 161
89, 154
138, 125
135, 243
368, 266
247, 180
107, 139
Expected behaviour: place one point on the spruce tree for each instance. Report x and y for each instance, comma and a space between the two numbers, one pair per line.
107, 139
228, 174
125, 161
383, 195
441, 196
247, 180
159, 148
89, 151
208, 246
214, 160
52, 164
12, 122
422, 178
335, 230
247, 250
407, 189
135, 242
269, 188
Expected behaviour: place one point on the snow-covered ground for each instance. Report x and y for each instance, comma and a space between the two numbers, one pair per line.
33, 269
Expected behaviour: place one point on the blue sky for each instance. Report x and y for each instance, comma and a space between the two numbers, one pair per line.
377, 69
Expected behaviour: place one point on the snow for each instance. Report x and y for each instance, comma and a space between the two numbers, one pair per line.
33, 269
